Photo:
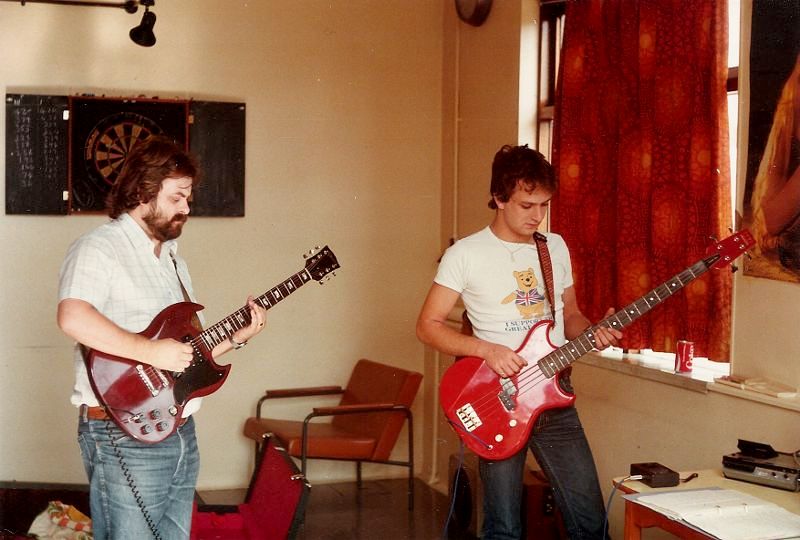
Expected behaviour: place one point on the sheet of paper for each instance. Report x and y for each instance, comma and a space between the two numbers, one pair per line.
725, 513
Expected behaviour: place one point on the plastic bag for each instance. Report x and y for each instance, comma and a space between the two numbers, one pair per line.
61, 522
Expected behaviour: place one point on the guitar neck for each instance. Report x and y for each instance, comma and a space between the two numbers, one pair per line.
224, 329
564, 356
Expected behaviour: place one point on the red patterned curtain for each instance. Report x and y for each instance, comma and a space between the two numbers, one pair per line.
641, 150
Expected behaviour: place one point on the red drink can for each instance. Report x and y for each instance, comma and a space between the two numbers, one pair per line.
683, 356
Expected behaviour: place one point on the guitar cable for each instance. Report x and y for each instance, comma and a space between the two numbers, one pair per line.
466, 432
129, 478
611, 497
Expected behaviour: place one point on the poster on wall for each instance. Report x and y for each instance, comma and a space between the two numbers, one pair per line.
102, 133
772, 189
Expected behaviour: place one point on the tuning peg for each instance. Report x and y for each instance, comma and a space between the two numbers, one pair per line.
713, 238
734, 268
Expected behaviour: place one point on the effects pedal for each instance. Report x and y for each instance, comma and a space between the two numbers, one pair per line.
655, 475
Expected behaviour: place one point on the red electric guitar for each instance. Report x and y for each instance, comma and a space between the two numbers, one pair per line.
147, 402
494, 416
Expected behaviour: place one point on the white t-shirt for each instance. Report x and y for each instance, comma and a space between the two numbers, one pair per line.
502, 286
114, 269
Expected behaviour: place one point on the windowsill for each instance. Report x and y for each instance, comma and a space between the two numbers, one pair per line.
659, 368
653, 369
700, 379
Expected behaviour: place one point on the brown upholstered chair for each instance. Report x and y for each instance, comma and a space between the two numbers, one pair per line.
364, 427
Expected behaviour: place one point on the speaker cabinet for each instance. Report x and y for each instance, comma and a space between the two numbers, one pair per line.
467, 518
540, 517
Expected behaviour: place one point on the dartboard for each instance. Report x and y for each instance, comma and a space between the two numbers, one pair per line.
110, 141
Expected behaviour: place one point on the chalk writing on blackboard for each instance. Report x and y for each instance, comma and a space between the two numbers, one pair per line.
36, 150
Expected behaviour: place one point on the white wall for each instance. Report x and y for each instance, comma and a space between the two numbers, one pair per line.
343, 147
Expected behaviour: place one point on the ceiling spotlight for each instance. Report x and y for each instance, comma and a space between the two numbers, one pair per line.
143, 34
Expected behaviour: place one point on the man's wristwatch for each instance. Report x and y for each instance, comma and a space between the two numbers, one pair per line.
236, 345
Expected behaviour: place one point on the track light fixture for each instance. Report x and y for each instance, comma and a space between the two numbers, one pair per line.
141, 35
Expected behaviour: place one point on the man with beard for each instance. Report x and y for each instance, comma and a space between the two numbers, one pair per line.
113, 282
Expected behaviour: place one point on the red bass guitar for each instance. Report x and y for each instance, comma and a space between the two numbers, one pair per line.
494, 416
147, 402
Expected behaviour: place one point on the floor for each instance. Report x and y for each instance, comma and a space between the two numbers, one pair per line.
378, 511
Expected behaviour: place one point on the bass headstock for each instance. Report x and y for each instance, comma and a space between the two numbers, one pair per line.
726, 251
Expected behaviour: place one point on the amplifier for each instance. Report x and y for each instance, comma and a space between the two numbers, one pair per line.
541, 519
467, 518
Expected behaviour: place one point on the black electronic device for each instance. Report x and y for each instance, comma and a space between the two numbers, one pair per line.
759, 463
655, 475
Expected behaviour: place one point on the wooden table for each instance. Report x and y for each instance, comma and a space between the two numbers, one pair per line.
638, 517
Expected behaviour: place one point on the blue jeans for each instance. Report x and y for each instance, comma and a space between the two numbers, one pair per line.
562, 451
161, 477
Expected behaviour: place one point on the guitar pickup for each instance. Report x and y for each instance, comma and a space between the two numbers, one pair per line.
506, 394
469, 418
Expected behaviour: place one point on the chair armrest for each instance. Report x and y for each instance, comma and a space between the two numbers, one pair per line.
357, 408
299, 392
296, 392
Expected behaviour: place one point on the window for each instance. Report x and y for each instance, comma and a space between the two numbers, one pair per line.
552, 17
552, 28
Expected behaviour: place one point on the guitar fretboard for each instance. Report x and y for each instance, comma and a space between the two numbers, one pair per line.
562, 357
224, 329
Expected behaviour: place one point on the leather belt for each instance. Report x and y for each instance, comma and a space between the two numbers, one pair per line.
100, 413
94, 413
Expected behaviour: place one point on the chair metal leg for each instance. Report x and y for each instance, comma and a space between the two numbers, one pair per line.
410, 460
304, 445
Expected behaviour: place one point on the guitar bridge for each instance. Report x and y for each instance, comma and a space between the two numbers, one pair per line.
149, 383
469, 418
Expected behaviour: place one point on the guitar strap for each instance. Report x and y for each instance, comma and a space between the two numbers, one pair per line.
195, 318
547, 270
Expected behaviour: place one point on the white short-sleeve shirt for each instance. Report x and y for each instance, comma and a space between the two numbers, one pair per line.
502, 286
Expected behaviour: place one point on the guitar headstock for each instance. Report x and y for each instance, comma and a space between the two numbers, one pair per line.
724, 252
320, 262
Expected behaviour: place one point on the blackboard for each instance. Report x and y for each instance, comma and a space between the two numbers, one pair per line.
38, 135
216, 137
36, 154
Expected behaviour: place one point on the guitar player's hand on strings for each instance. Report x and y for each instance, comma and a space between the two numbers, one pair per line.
605, 336
258, 318
502, 360
167, 354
